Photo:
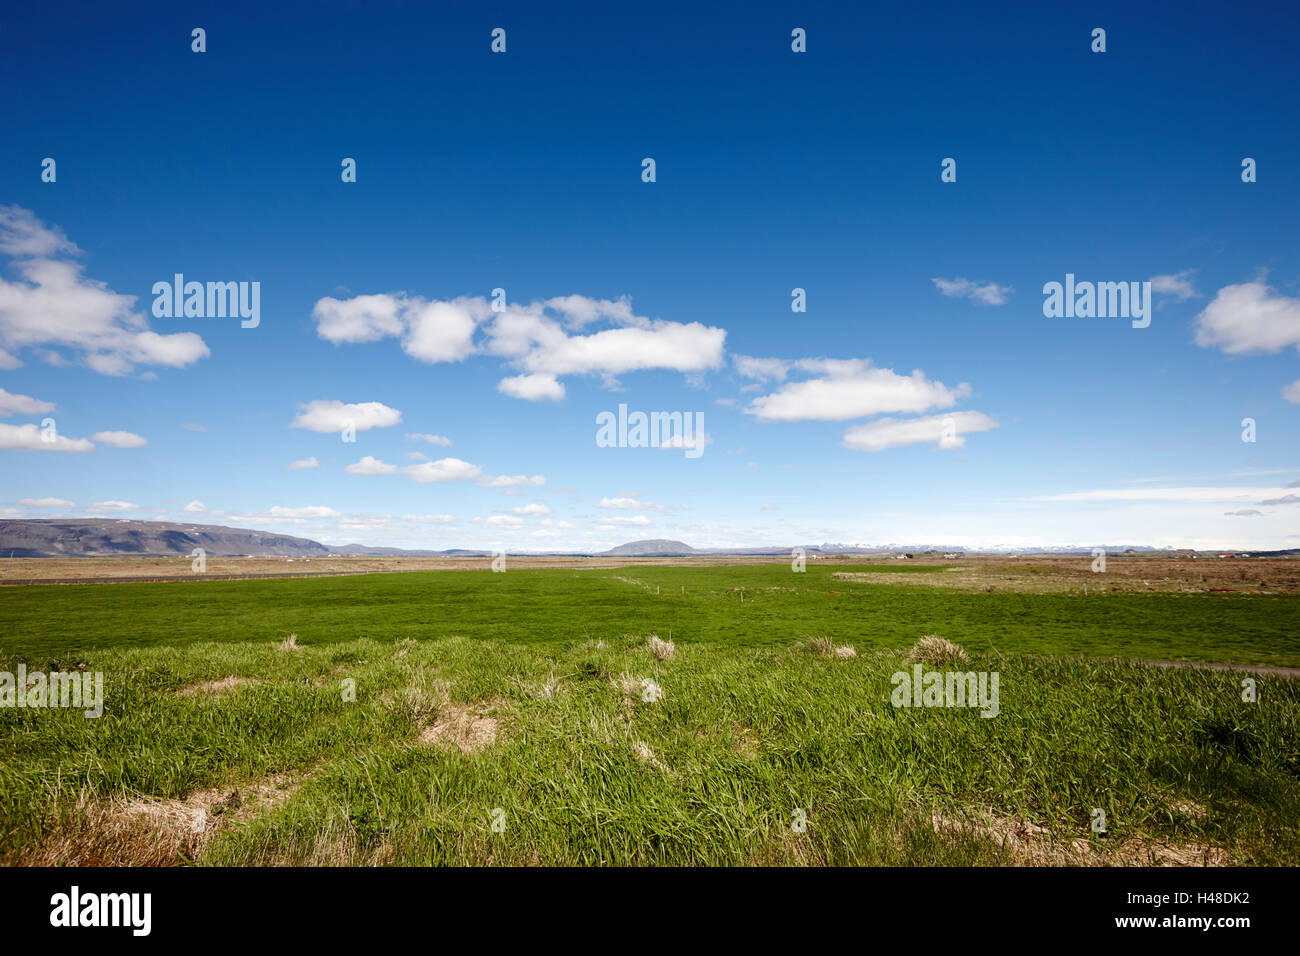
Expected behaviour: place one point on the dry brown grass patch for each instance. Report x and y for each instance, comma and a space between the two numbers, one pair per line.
825, 647
215, 688
469, 729
155, 831
664, 650
933, 649
1029, 844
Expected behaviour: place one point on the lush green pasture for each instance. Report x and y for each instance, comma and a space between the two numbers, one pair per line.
754, 605
520, 698
744, 746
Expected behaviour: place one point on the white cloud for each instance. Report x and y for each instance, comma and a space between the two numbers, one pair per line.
1187, 494
53, 305
761, 368
430, 519
195, 507
302, 464
635, 521
29, 438
578, 310
310, 511
363, 318
442, 470
531, 511
332, 416
191, 427
11, 404
1177, 286
625, 503
1292, 392
1250, 317
455, 469
370, 465
510, 481
532, 388
437, 331
983, 293
120, 439
538, 345
503, 521
113, 506
442, 331
946, 431
852, 388
47, 503
431, 439
537, 338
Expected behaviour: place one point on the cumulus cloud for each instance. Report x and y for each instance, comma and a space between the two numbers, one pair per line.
46, 504
531, 511
1284, 500
310, 511
543, 340
442, 470
620, 502
1292, 392
532, 388
333, 416
852, 388
120, 439
11, 404
946, 431
446, 470
32, 438
1249, 317
1177, 285
434, 331
113, 505
195, 507
54, 306
1172, 494
510, 481
763, 369
431, 439
618, 521
982, 293
363, 318
302, 464
370, 465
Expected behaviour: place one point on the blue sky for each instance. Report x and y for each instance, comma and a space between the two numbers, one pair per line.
775, 170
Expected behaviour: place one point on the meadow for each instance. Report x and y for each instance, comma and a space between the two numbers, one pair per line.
541, 717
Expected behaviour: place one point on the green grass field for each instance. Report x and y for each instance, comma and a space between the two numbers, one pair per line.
519, 699
697, 604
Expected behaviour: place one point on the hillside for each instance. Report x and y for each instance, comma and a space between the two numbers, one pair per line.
105, 537
649, 548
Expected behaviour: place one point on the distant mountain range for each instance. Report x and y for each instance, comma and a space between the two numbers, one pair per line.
107, 537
